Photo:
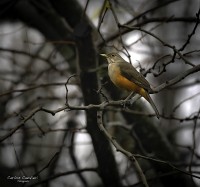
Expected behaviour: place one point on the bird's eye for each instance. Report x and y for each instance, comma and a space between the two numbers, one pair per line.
112, 55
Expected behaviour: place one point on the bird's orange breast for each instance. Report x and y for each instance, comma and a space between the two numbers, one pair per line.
122, 82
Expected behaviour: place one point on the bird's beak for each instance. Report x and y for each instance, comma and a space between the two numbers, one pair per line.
104, 55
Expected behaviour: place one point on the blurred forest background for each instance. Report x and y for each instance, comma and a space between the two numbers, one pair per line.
62, 121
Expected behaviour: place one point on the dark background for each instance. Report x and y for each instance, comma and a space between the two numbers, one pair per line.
53, 83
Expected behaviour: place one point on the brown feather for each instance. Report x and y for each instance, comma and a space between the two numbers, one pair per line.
128, 71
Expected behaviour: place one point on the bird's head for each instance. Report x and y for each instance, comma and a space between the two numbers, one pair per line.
113, 58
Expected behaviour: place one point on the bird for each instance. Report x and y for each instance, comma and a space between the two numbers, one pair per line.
126, 77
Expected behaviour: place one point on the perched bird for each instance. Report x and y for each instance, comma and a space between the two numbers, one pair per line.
126, 77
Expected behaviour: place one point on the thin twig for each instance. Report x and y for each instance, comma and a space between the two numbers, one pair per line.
66, 97
192, 33
194, 143
118, 25
48, 164
187, 99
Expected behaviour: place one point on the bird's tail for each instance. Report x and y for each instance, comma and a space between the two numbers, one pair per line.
148, 98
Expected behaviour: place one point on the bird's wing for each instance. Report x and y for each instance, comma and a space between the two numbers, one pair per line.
128, 71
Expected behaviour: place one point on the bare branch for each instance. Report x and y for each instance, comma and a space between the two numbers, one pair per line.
119, 148
178, 78
192, 33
